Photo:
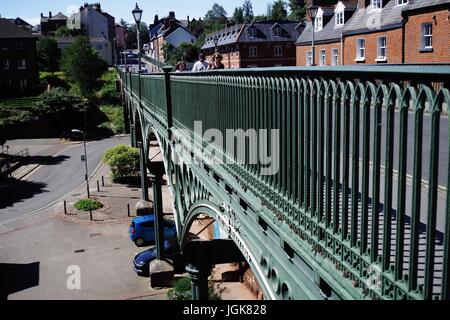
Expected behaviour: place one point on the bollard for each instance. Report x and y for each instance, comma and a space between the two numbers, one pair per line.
98, 186
129, 214
103, 181
90, 214
65, 207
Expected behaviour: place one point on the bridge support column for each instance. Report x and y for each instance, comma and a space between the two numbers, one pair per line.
158, 211
199, 278
133, 135
144, 177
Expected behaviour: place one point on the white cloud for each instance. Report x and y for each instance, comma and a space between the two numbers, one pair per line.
73, 8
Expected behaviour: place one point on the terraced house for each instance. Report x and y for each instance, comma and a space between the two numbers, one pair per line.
18, 60
256, 44
328, 31
378, 32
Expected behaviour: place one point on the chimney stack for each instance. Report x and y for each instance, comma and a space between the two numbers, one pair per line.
42, 15
172, 15
50, 14
362, 4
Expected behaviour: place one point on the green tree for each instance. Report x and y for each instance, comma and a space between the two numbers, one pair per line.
278, 10
49, 54
238, 16
298, 10
247, 8
144, 35
63, 32
216, 12
82, 65
123, 161
124, 23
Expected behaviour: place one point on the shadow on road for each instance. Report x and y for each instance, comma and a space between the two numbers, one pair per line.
17, 277
48, 160
19, 191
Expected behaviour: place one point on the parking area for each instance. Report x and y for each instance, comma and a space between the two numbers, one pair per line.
40, 262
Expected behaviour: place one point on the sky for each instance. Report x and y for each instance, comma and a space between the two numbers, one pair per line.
30, 10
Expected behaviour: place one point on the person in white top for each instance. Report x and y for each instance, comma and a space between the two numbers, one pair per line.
200, 65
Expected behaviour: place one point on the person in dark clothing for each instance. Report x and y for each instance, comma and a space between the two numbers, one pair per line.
217, 62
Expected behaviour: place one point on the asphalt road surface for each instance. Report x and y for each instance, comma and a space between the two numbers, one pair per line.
56, 177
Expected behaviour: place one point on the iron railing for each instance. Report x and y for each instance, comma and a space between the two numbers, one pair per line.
364, 172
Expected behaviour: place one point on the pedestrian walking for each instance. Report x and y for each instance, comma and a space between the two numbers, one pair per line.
217, 62
200, 65
180, 66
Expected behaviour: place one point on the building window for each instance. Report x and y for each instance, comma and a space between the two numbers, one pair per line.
334, 57
5, 64
3, 45
340, 18
318, 25
308, 58
402, 2
277, 31
19, 44
427, 36
253, 52
377, 4
278, 51
23, 83
382, 45
360, 49
21, 64
323, 57
252, 32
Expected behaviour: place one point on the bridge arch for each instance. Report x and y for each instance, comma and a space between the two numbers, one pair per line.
266, 275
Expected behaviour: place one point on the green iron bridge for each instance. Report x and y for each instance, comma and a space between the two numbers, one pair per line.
357, 206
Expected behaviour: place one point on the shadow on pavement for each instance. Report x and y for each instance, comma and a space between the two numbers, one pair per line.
17, 277
47, 160
19, 191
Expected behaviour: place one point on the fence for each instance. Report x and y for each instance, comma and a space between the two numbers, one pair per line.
364, 160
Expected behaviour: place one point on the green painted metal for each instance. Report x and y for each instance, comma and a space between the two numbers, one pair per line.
343, 202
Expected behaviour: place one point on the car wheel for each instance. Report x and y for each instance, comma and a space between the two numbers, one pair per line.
139, 242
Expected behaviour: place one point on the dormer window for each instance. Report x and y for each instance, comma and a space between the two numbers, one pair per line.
277, 31
402, 2
318, 22
377, 4
340, 18
252, 32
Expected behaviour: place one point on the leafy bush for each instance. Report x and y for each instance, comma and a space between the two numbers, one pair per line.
123, 161
88, 205
116, 122
182, 290
108, 93
55, 80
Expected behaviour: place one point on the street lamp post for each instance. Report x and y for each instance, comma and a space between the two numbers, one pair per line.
137, 14
216, 42
76, 131
312, 12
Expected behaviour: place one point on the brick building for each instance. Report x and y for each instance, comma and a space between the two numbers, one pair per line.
427, 29
328, 27
50, 24
19, 74
256, 44
380, 32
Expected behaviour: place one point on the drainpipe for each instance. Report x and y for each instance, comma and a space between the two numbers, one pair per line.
404, 21
342, 48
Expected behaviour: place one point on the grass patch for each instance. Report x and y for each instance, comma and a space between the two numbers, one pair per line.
87, 205
115, 116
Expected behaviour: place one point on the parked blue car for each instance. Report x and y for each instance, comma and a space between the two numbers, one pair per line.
141, 262
142, 230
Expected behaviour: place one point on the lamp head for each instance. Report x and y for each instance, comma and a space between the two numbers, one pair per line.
312, 11
137, 14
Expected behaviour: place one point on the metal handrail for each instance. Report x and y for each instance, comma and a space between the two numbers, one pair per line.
355, 214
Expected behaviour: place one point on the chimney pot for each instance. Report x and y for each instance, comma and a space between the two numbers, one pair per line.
50, 14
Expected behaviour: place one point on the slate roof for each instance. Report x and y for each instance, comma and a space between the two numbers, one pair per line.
366, 20
265, 32
59, 16
330, 32
8, 30
422, 4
